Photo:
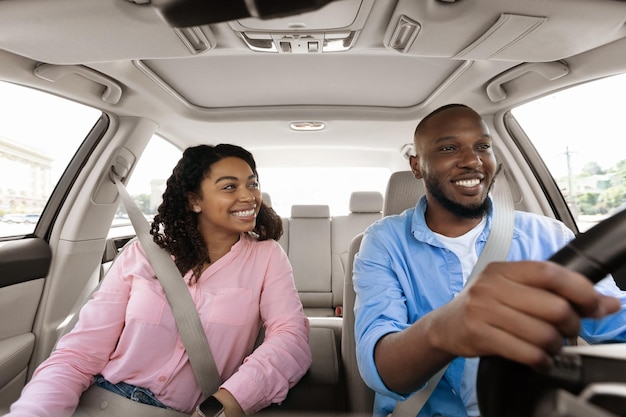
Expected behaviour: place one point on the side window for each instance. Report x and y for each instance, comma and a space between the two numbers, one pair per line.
147, 183
39, 135
579, 133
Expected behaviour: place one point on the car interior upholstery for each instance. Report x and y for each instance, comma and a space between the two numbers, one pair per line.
340, 84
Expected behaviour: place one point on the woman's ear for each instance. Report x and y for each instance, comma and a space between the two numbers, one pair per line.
192, 201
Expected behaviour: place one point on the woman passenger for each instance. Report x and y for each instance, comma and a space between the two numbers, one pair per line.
223, 239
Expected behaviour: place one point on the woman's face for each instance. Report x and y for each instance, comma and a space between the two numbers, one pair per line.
229, 200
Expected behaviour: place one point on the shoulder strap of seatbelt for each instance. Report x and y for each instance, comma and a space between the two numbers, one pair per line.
503, 219
496, 249
187, 318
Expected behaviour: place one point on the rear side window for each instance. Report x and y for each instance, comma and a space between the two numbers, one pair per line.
147, 183
579, 134
39, 134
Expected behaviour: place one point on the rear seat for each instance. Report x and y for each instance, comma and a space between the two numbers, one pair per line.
322, 389
318, 250
309, 253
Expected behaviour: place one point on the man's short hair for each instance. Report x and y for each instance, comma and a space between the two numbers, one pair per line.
435, 112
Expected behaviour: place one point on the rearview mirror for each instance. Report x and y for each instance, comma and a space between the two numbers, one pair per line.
185, 13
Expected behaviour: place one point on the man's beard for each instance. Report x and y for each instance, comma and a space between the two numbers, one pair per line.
473, 211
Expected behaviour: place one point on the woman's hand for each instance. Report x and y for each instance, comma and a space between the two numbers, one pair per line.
231, 406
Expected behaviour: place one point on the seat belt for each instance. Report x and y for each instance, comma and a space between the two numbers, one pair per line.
496, 249
185, 313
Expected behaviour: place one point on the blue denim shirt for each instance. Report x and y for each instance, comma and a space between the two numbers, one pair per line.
403, 271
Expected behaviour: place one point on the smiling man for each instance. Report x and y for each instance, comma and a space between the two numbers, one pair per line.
455, 158
414, 312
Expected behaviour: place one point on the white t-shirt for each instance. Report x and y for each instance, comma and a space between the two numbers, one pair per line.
465, 248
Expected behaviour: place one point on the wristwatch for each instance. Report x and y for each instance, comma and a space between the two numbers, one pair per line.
210, 407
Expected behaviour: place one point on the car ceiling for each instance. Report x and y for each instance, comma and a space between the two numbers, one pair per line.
200, 84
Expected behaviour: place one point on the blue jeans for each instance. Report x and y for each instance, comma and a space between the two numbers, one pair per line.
138, 394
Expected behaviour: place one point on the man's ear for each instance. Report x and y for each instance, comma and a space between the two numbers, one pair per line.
414, 161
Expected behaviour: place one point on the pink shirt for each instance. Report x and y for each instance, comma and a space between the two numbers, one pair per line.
127, 333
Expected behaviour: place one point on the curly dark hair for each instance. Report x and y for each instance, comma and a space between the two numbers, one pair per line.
175, 226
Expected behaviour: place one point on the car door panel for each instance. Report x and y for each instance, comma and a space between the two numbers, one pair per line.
24, 265
23, 260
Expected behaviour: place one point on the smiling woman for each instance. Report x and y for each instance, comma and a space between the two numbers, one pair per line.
224, 243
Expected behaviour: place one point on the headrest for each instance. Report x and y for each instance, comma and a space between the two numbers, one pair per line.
366, 202
266, 199
310, 211
403, 191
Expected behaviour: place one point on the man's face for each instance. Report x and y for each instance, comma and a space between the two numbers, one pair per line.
455, 158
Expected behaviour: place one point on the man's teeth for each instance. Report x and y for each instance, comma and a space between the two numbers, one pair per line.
245, 213
468, 183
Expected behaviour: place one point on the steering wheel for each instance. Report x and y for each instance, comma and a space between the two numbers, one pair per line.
510, 389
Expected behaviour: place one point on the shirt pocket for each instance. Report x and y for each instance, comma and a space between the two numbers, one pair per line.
147, 302
229, 306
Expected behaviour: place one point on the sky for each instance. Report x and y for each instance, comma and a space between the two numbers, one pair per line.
52, 115
563, 122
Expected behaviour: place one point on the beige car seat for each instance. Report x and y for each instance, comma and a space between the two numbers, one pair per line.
403, 192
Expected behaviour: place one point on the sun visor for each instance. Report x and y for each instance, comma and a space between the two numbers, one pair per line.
123, 30
505, 31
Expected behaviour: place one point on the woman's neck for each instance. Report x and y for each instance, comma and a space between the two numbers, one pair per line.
218, 247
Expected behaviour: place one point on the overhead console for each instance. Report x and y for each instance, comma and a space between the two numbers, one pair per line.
333, 28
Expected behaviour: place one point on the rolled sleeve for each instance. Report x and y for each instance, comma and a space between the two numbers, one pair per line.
267, 374
379, 307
